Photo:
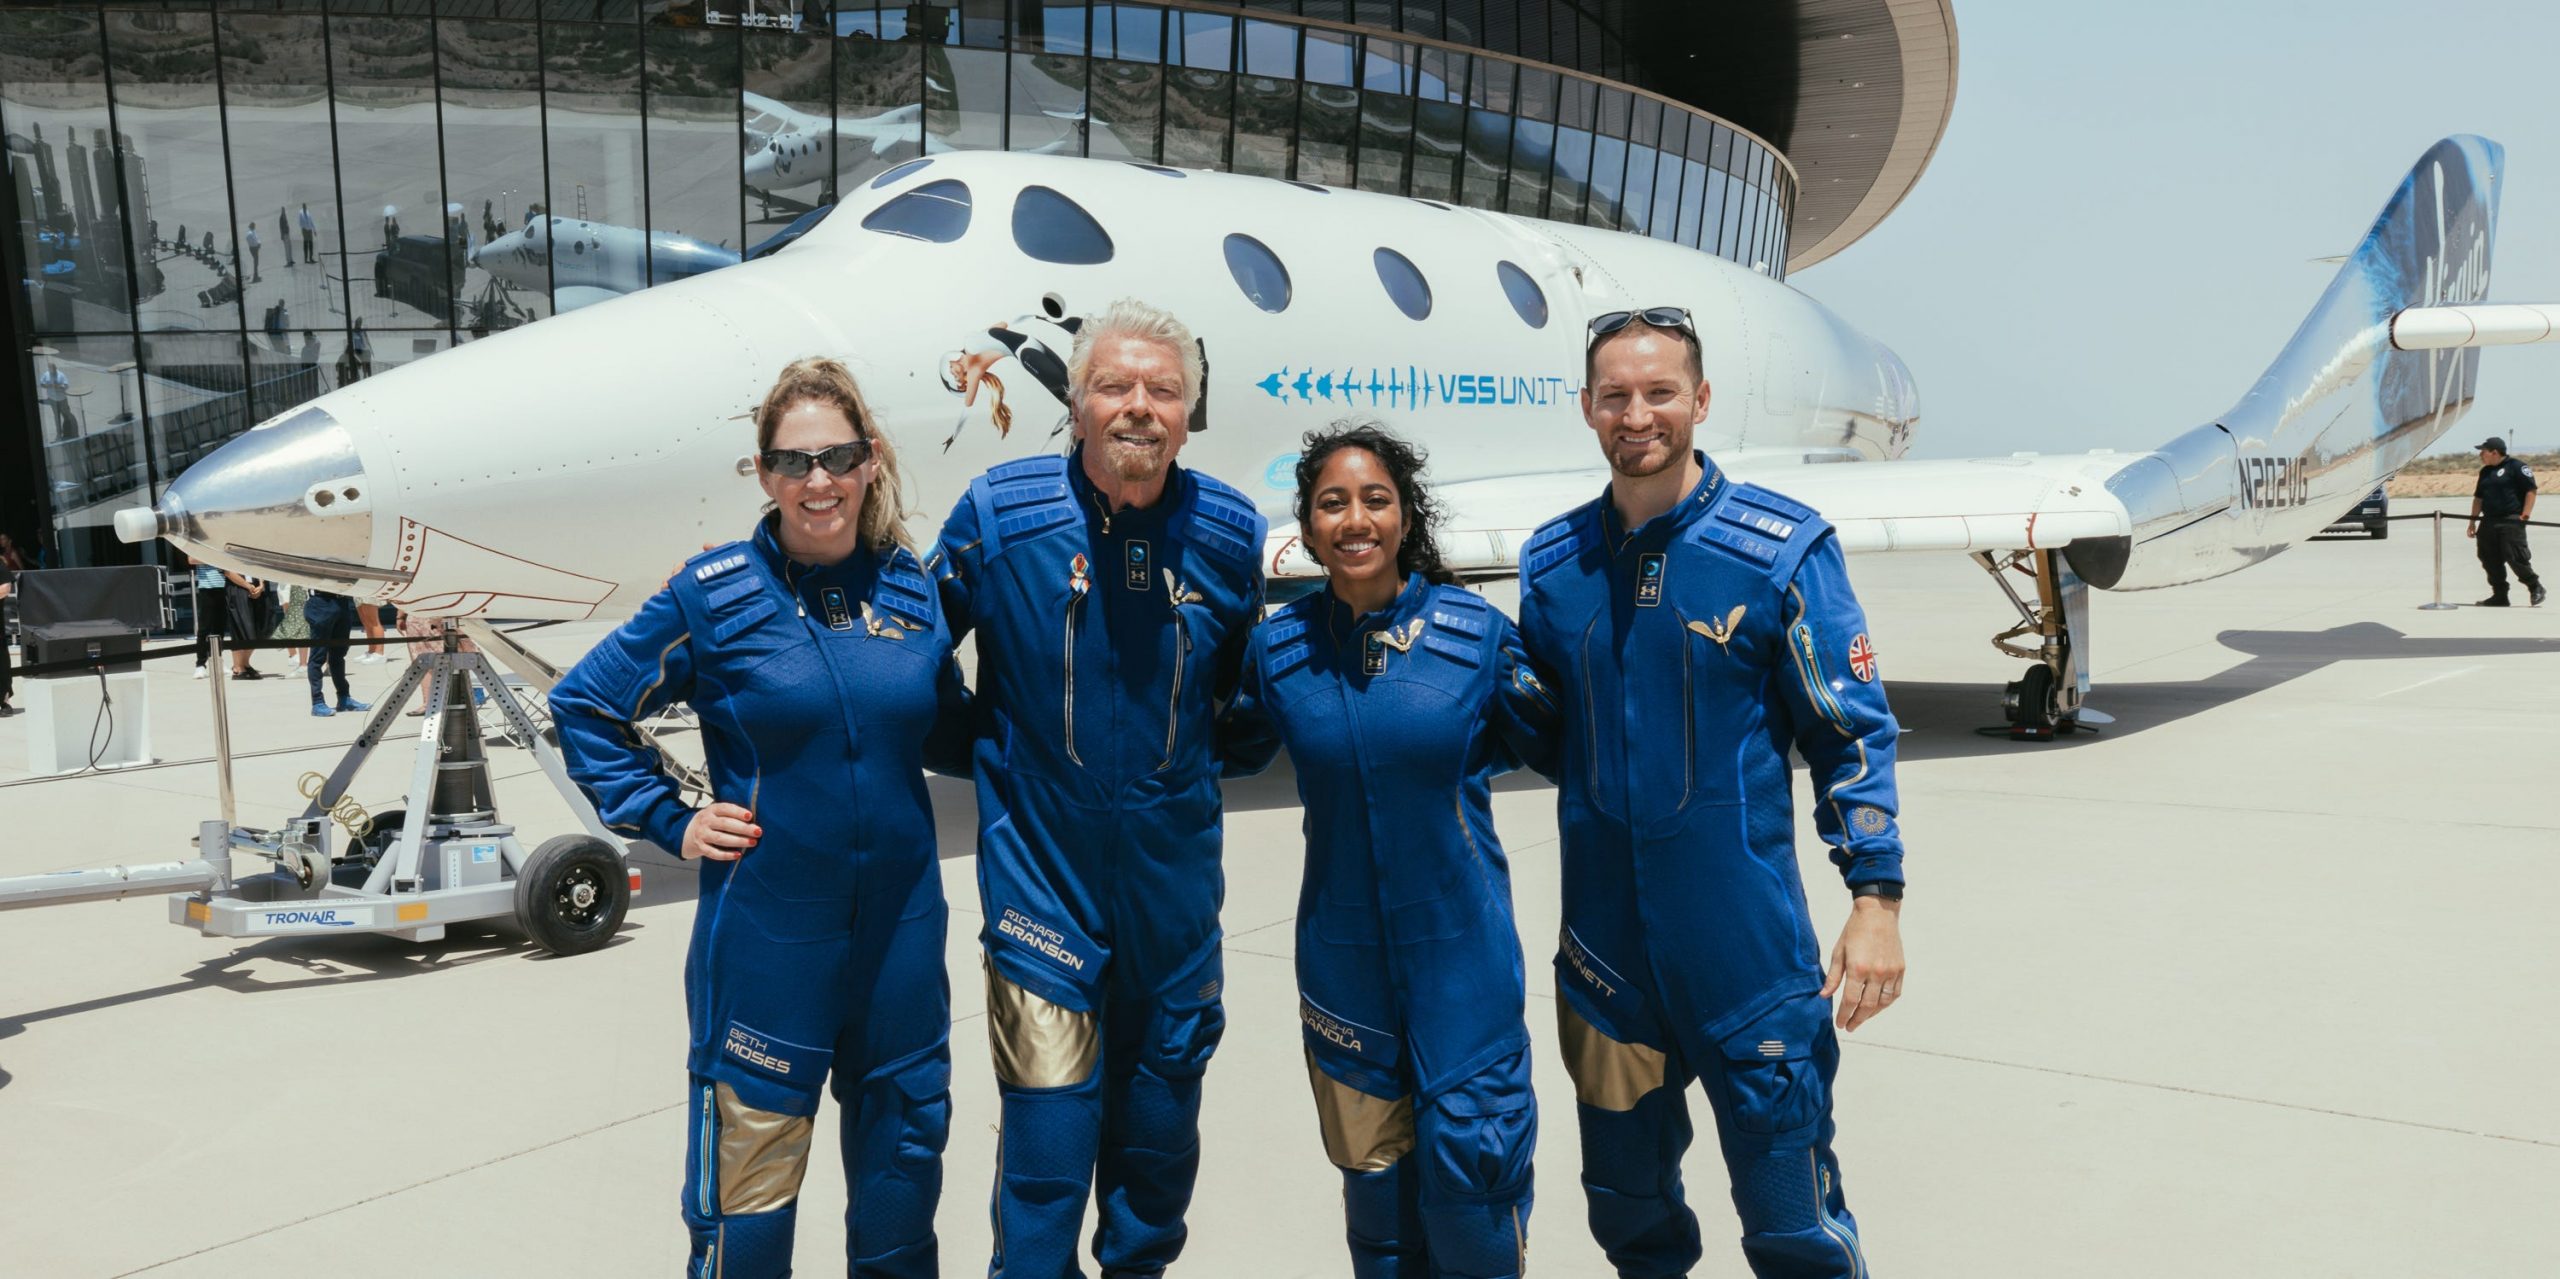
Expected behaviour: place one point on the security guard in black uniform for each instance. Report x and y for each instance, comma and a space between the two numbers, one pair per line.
2500, 505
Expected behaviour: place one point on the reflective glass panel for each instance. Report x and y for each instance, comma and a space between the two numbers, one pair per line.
1328, 120
284, 156
1528, 301
1196, 107
1711, 213
1386, 131
694, 152
1440, 75
879, 106
491, 85
981, 23
1129, 32
595, 227
195, 388
1270, 49
964, 99
1266, 109
1048, 104
1439, 130
1257, 271
169, 109
1488, 159
1386, 67
1608, 174
1492, 86
1045, 27
89, 425
70, 234
1573, 175
787, 114
1693, 194
1328, 58
1637, 196
1207, 41
1052, 228
1537, 93
1729, 244
388, 158
1533, 144
1127, 110
1404, 283
936, 211
1645, 123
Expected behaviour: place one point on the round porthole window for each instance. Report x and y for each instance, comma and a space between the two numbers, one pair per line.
1526, 297
1258, 272
1405, 285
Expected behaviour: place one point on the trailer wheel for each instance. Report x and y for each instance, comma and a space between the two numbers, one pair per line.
572, 894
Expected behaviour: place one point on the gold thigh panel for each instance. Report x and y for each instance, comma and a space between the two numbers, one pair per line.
1361, 1133
1607, 1075
762, 1155
1038, 1044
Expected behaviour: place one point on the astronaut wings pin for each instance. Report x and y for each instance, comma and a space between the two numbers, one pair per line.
1399, 638
1720, 632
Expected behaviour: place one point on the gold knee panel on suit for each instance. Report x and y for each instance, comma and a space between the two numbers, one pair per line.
1361, 1133
762, 1155
1607, 1075
1037, 1043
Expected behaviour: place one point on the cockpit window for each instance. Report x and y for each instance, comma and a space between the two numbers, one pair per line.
1258, 272
1158, 170
901, 171
1053, 228
936, 211
1405, 285
1526, 297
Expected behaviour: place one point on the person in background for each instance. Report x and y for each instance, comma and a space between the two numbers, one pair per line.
330, 617
293, 627
255, 244
10, 556
8, 587
2501, 504
213, 609
310, 237
242, 600
370, 617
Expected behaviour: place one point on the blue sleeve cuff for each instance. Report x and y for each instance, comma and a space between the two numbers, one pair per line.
666, 825
1880, 866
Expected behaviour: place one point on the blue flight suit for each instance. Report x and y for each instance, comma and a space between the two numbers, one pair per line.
1107, 645
823, 694
1409, 973
1689, 655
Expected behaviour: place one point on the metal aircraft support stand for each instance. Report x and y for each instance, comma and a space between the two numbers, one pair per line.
442, 858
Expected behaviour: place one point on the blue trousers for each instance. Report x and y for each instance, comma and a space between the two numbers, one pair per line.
1103, 1009
786, 993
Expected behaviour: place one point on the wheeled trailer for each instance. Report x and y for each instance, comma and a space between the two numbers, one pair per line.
444, 857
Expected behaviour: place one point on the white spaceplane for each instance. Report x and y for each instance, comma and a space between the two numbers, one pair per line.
789, 149
556, 471
584, 262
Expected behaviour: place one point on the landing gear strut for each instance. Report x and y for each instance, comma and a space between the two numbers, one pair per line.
2045, 699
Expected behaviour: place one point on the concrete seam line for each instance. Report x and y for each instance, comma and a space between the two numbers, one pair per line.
402, 1190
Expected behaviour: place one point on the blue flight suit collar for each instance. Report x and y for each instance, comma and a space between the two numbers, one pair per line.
808, 584
1663, 529
1342, 624
1148, 519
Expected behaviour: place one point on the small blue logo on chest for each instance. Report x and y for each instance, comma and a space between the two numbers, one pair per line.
1140, 555
1650, 568
839, 614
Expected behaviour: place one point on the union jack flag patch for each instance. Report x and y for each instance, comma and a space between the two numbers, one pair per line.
1862, 659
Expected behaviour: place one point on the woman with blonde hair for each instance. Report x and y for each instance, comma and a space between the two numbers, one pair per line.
816, 655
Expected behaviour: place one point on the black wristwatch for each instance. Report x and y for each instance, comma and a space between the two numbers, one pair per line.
1884, 888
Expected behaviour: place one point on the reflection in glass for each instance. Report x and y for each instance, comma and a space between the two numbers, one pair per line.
1266, 111
1049, 227
1270, 49
1729, 244
879, 107
1196, 107
1638, 190
89, 425
1048, 104
1666, 176
1488, 157
789, 143
194, 387
1257, 271
1711, 226
694, 157
1533, 145
1328, 119
1328, 59
1127, 110
490, 76
1386, 129
1128, 32
1043, 26
386, 127
169, 109
71, 241
1693, 194
591, 79
964, 99
936, 211
1404, 283
275, 90
1573, 175
1207, 41
1608, 171
1439, 130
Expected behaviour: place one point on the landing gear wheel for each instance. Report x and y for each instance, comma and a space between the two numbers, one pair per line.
572, 894
2029, 704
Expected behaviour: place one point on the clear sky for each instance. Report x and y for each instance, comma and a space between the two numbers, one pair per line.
2115, 236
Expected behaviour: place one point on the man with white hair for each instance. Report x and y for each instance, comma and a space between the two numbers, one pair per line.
1111, 592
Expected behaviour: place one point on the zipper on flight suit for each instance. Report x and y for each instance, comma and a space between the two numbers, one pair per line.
1840, 1234
1075, 609
1809, 667
1173, 700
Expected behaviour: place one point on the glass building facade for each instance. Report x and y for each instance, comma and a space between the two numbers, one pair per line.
220, 210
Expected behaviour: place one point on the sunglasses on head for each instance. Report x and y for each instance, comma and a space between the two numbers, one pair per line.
1660, 317
838, 459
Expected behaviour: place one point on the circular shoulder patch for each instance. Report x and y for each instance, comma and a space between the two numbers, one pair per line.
1869, 821
1862, 659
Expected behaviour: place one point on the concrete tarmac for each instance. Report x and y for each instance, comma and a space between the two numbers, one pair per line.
2255, 982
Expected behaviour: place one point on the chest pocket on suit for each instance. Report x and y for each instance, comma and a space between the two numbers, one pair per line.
1724, 655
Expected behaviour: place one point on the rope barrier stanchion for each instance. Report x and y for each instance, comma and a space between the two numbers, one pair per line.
2439, 603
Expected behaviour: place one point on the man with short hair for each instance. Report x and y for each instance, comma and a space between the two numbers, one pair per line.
1699, 627
310, 236
2501, 503
1111, 592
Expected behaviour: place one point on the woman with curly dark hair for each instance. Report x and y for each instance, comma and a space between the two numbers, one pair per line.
1401, 695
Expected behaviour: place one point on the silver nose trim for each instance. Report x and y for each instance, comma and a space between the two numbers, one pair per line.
294, 486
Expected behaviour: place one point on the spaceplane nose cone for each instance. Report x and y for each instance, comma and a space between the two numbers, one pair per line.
292, 490
136, 524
